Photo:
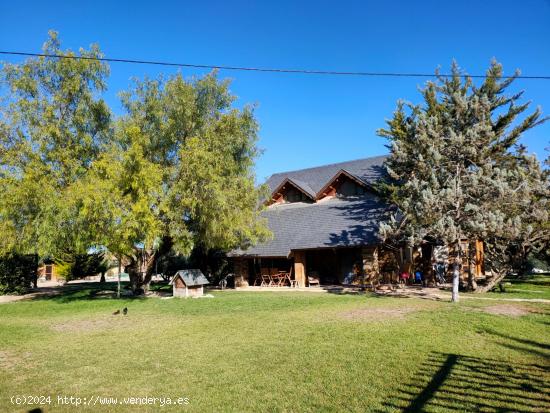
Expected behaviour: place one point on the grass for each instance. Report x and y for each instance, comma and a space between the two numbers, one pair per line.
534, 286
276, 351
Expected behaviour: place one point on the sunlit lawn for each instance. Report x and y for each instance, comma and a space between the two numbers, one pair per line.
288, 351
531, 286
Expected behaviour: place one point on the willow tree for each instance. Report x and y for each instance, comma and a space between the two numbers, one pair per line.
175, 171
457, 171
53, 124
178, 174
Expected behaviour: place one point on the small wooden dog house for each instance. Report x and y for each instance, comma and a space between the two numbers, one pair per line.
188, 283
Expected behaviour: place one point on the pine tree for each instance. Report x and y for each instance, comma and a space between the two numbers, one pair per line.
456, 171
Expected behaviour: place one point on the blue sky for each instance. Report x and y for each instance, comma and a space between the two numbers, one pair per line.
305, 120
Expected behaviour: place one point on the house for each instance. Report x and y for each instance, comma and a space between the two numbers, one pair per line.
188, 283
325, 222
47, 271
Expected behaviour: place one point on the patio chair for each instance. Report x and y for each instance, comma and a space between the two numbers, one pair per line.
274, 275
291, 282
283, 278
266, 279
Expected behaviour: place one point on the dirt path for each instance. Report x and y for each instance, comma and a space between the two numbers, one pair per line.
437, 294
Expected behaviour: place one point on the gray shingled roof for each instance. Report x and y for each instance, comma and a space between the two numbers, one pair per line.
313, 179
331, 223
191, 277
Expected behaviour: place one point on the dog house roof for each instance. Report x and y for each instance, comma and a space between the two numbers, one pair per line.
192, 277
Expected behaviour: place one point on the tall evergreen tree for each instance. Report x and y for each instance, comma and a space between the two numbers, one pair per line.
457, 171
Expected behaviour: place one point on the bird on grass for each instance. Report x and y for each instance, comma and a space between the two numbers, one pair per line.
117, 312
125, 311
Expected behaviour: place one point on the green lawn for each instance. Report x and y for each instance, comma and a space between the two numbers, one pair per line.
269, 351
532, 286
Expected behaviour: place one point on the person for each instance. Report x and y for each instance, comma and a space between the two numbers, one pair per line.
440, 270
418, 277
404, 278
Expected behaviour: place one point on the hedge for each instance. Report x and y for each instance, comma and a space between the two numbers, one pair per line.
17, 273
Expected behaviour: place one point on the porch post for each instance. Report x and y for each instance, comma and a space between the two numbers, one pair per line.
300, 268
479, 258
241, 272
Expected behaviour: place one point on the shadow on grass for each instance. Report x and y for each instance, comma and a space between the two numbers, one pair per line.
84, 291
453, 382
532, 343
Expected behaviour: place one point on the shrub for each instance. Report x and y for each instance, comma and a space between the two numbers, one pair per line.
17, 273
64, 270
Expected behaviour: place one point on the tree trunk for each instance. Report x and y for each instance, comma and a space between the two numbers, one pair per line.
456, 271
472, 284
140, 272
143, 264
102, 279
490, 284
456, 278
119, 271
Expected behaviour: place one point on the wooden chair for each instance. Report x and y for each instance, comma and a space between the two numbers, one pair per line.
274, 275
266, 279
284, 277
292, 282
258, 280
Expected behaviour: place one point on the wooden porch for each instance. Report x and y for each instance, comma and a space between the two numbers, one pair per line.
356, 267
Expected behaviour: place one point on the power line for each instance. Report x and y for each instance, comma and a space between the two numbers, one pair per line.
261, 69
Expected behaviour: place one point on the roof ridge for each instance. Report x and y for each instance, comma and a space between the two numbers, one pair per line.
326, 165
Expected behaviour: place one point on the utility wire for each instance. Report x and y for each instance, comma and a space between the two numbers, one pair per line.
261, 69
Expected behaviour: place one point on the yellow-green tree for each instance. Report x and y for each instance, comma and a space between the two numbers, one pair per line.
53, 124
174, 172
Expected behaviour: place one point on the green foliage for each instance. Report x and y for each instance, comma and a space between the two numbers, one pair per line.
81, 265
52, 126
171, 263
17, 273
538, 261
457, 170
175, 171
64, 270
89, 264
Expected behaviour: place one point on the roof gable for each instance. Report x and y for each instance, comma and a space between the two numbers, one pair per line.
366, 170
299, 185
338, 176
